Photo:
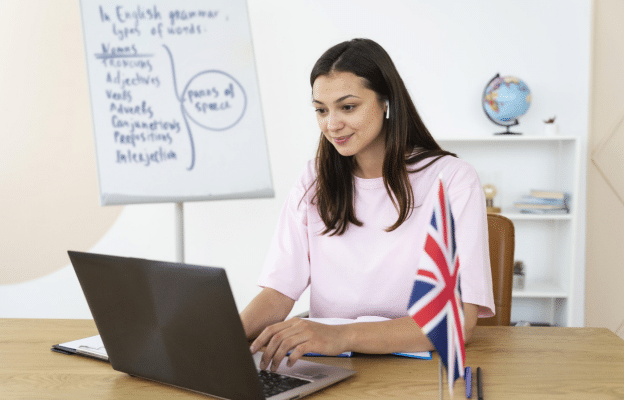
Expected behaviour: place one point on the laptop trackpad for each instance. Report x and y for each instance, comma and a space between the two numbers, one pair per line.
302, 369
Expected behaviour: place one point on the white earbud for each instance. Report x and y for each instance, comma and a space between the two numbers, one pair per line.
387, 109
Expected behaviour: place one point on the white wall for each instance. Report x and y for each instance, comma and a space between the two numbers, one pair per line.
446, 52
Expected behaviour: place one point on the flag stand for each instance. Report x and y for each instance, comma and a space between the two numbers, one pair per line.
437, 272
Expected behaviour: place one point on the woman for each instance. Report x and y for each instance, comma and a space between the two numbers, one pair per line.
348, 226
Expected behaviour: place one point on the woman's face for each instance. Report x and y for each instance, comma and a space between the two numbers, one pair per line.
350, 115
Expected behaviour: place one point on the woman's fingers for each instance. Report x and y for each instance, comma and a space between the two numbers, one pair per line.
286, 346
272, 337
296, 354
266, 335
298, 337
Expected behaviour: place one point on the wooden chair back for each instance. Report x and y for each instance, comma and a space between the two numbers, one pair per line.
502, 245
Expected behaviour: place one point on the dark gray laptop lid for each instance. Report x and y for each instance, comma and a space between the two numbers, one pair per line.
157, 321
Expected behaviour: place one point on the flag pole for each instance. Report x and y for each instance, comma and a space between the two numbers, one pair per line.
440, 377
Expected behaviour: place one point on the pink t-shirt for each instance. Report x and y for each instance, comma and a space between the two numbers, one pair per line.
368, 271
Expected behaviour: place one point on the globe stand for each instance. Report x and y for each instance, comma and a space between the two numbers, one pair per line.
507, 132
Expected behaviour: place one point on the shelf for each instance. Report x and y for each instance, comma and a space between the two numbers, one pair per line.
544, 290
547, 244
510, 138
516, 216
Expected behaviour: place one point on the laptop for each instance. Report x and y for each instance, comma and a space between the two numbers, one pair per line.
178, 324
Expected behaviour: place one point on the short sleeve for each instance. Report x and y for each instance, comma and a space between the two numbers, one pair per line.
287, 266
469, 212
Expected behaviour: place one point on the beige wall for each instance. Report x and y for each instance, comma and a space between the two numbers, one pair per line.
49, 197
604, 300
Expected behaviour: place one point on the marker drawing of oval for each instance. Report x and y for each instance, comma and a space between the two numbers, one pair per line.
214, 100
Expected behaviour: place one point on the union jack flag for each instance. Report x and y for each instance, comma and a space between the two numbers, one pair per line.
435, 303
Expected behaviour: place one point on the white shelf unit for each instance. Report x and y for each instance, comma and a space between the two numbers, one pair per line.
548, 245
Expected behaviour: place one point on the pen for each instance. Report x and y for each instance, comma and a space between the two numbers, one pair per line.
479, 384
468, 379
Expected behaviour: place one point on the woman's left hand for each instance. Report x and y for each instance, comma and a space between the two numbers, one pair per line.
299, 336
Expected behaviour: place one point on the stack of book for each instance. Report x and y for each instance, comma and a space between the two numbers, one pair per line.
544, 202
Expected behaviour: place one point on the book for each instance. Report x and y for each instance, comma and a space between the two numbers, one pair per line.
424, 355
550, 194
542, 200
539, 206
540, 211
539, 201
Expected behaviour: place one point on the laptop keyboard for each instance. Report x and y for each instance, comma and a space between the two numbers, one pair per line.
273, 383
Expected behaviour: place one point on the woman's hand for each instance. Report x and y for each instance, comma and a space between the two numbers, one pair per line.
299, 336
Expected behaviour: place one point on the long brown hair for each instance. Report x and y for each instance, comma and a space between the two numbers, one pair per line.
334, 186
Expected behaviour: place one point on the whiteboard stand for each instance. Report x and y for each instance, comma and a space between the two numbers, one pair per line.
179, 232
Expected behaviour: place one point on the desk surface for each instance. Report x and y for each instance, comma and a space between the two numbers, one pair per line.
518, 363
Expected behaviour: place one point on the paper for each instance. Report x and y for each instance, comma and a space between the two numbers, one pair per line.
90, 346
425, 355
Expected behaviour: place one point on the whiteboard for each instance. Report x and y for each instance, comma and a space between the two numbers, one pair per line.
175, 102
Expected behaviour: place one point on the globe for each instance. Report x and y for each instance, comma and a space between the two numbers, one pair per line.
505, 99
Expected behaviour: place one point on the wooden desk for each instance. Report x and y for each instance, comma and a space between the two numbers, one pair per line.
518, 363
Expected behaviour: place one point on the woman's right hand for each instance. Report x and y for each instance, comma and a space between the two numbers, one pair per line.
298, 336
